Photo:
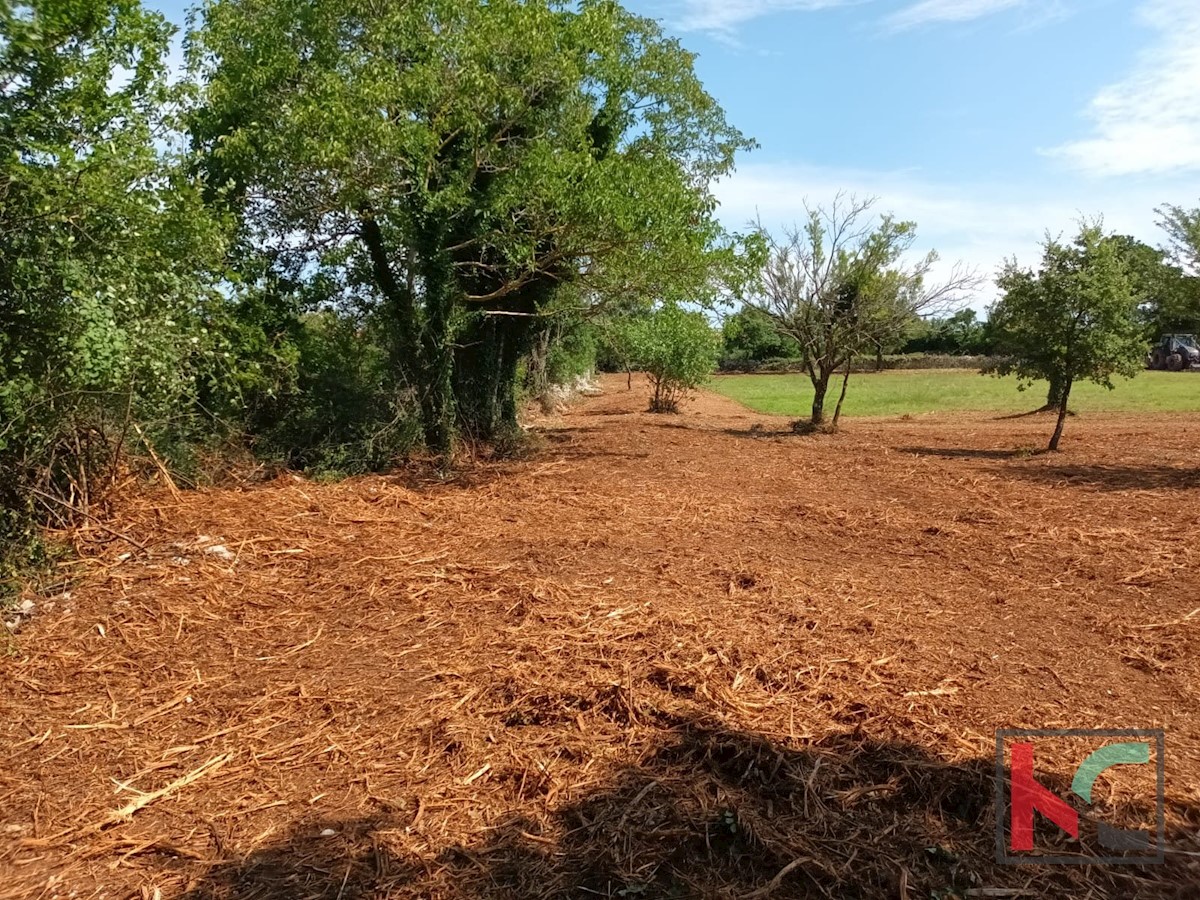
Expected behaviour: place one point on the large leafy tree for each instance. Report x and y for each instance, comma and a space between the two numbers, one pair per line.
842, 285
1074, 319
467, 168
103, 247
1182, 226
1177, 307
1167, 296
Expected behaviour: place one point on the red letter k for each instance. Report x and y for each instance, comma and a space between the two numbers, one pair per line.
1028, 796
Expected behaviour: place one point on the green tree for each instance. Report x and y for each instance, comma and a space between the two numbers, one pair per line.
107, 255
1175, 305
464, 163
1074, 319
749, 335
840, 285
1183, 233
1158, 287
677, 349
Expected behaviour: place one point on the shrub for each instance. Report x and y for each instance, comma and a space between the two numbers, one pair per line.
678, 351
335, 410
107, 262
750, 334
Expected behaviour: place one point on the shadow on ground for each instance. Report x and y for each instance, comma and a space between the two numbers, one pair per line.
972, 452
1097, 477
710, 813
1117, 478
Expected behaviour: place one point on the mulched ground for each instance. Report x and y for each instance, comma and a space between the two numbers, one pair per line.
682, 656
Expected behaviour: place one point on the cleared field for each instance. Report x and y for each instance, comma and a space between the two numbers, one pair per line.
666, 657
927, 391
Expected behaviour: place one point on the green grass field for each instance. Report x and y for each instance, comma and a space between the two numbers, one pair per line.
946, 390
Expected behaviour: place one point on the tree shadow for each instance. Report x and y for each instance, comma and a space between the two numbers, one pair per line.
1116, 478
708, 813
974, 452
760, 432
1047, 412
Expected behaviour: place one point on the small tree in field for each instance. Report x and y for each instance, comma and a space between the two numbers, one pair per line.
840, 285
1074, 319
677, 350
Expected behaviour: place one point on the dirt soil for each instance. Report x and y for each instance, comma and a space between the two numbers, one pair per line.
664, 656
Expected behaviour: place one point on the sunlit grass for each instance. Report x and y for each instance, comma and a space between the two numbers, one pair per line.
926, 390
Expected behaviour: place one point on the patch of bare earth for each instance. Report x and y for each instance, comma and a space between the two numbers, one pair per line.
669, 656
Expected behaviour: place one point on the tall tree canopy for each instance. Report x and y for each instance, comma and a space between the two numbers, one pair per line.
465, 167
1178, 304
1182, 226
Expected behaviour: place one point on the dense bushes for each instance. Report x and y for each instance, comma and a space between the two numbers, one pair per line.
750, 334
335, 408
864, 364
108, 262
961, 334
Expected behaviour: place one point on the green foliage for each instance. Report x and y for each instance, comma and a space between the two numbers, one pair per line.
614, 331
751, 335
959, 334
340, 412
841, 285
572, 352
1168, 300
677, 349
923, 392
1074, 319
519, 149
1183, 231
106, 258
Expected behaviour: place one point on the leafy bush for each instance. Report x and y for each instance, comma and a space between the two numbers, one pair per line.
962, 333
108, 262
677, 350
750, 334
334, 409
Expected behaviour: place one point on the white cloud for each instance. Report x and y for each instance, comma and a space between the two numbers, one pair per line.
721, 17
977, 224
928, 12
1149, 123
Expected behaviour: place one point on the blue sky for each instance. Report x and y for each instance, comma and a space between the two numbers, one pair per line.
987, 122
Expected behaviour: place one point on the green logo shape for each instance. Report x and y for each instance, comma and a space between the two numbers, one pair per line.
1133, 754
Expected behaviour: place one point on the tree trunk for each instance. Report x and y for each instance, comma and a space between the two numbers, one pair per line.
437, 392
399, 298
879, 357
537, 380
1054, 396
485, 375
837, 412
489, 356
820, 389
1062, 414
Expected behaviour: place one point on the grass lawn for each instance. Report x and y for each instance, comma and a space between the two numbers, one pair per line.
939, 390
